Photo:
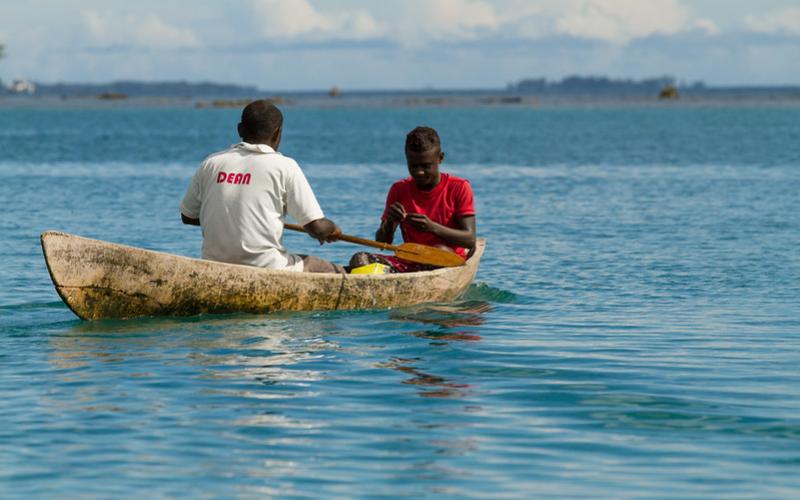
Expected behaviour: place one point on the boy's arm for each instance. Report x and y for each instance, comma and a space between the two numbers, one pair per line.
385, 232
394, 213
463, 236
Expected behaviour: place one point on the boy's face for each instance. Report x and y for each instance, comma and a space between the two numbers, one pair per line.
424, 167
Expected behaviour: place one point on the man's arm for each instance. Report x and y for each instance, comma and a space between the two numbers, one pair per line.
190, 221
463, 236
323, 230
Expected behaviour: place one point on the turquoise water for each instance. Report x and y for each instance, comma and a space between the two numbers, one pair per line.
633, 330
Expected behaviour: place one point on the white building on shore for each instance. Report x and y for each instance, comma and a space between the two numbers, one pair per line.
20, 86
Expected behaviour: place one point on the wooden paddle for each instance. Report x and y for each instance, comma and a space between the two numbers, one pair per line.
412, 252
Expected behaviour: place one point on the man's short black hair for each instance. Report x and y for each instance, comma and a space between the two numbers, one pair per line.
422, 139
260, 120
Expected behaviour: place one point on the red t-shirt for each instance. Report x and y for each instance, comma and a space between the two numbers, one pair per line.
450, 199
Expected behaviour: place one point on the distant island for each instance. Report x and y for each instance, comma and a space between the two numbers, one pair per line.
528, 91
588, 85
175, 89
599, 85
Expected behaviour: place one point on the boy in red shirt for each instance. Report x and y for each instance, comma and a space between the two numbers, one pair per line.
431, 207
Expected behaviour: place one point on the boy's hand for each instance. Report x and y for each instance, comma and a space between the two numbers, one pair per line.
397, 212
421, 222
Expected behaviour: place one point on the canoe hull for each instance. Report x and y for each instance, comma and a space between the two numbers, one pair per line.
102, 280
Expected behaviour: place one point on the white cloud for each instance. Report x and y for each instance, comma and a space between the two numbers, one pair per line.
418, 42
149, 31
457, 17
280, 19
523, 20
412, 23
423, 23
785, 21
619, 21
707, 26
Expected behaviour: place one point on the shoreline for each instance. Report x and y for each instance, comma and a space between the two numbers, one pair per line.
433, 100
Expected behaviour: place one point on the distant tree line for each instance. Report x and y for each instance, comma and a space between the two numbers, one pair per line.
147, 89
2, 53
593, 85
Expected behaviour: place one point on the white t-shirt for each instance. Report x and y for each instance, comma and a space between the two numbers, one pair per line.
241, 196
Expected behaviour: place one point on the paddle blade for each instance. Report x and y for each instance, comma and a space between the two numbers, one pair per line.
423, 254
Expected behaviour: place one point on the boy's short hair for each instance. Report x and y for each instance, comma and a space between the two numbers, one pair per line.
422, 139
260, 119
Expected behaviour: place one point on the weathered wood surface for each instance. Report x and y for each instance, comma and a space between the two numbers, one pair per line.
98, 279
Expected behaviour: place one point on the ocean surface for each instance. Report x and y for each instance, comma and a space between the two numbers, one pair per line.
634, 329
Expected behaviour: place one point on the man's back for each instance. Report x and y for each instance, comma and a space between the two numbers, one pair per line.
240, 196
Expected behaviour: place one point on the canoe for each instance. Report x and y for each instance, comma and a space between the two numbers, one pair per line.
102, 280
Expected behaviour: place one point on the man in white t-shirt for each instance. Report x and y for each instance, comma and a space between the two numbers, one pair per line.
240, 197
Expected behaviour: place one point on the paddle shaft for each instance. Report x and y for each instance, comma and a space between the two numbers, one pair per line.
413, 252
351, 239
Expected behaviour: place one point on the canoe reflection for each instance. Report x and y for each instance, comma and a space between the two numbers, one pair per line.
463, 336
448, 318
441, 387
290, 352
468, 313
233, 347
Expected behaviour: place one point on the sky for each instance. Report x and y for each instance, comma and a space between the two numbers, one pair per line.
399, 44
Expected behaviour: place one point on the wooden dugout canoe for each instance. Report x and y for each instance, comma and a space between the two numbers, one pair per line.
102, 280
